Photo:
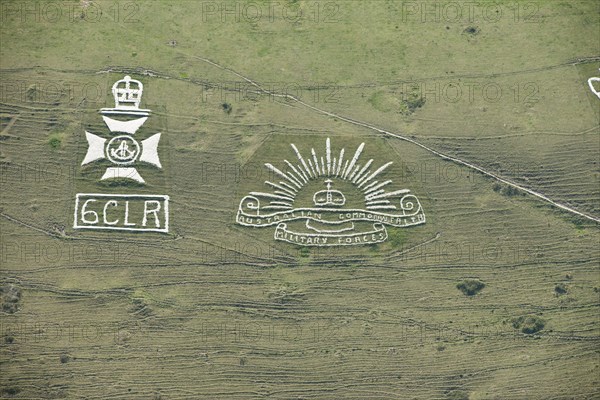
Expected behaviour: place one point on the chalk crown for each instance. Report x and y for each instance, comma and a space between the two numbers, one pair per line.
127, 93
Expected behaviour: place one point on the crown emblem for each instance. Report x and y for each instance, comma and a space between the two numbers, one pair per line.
329, 197
127, 93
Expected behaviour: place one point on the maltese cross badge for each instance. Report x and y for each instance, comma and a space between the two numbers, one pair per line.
124, 120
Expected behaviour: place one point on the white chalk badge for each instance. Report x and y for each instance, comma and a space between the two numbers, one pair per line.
328, 216
125, 152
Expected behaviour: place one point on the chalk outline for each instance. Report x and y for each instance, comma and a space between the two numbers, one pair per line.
107, 195
375, 197
108, 150
418, 212
592, 88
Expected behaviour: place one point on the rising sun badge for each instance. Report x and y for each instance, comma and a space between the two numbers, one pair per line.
330, 200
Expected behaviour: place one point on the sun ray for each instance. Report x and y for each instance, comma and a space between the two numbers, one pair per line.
362, 175
316, 161
375, 193
379, 186
313, 168
301, 159
281, 193
280, 203
374, 174
369, 185
288, 186
328, 155
362, 171
289, 164
353, 173
283, 175
375, 202
344, 170
340, 159
354, 159
276, 186
391, 207
389, 194
303, 173
277, 208
368, 177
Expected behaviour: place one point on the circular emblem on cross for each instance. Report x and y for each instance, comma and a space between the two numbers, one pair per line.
122, 150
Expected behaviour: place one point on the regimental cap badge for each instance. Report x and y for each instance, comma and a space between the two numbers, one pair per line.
334, 218
123, 150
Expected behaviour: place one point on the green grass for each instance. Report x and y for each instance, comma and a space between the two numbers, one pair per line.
55, 140
150, 315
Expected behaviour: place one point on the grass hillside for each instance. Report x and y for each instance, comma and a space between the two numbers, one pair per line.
496, 296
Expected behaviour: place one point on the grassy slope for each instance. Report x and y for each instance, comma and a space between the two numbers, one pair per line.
216, 309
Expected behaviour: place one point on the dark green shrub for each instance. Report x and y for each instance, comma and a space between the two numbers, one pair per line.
528, 324
397, 237
11, 390
470, 287
414, 103
31, 92
10, 293
55, 141
304, 252
227, 107
10, 296
561, 288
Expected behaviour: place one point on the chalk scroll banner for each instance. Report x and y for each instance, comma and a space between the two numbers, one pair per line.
377, 235
249, 214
